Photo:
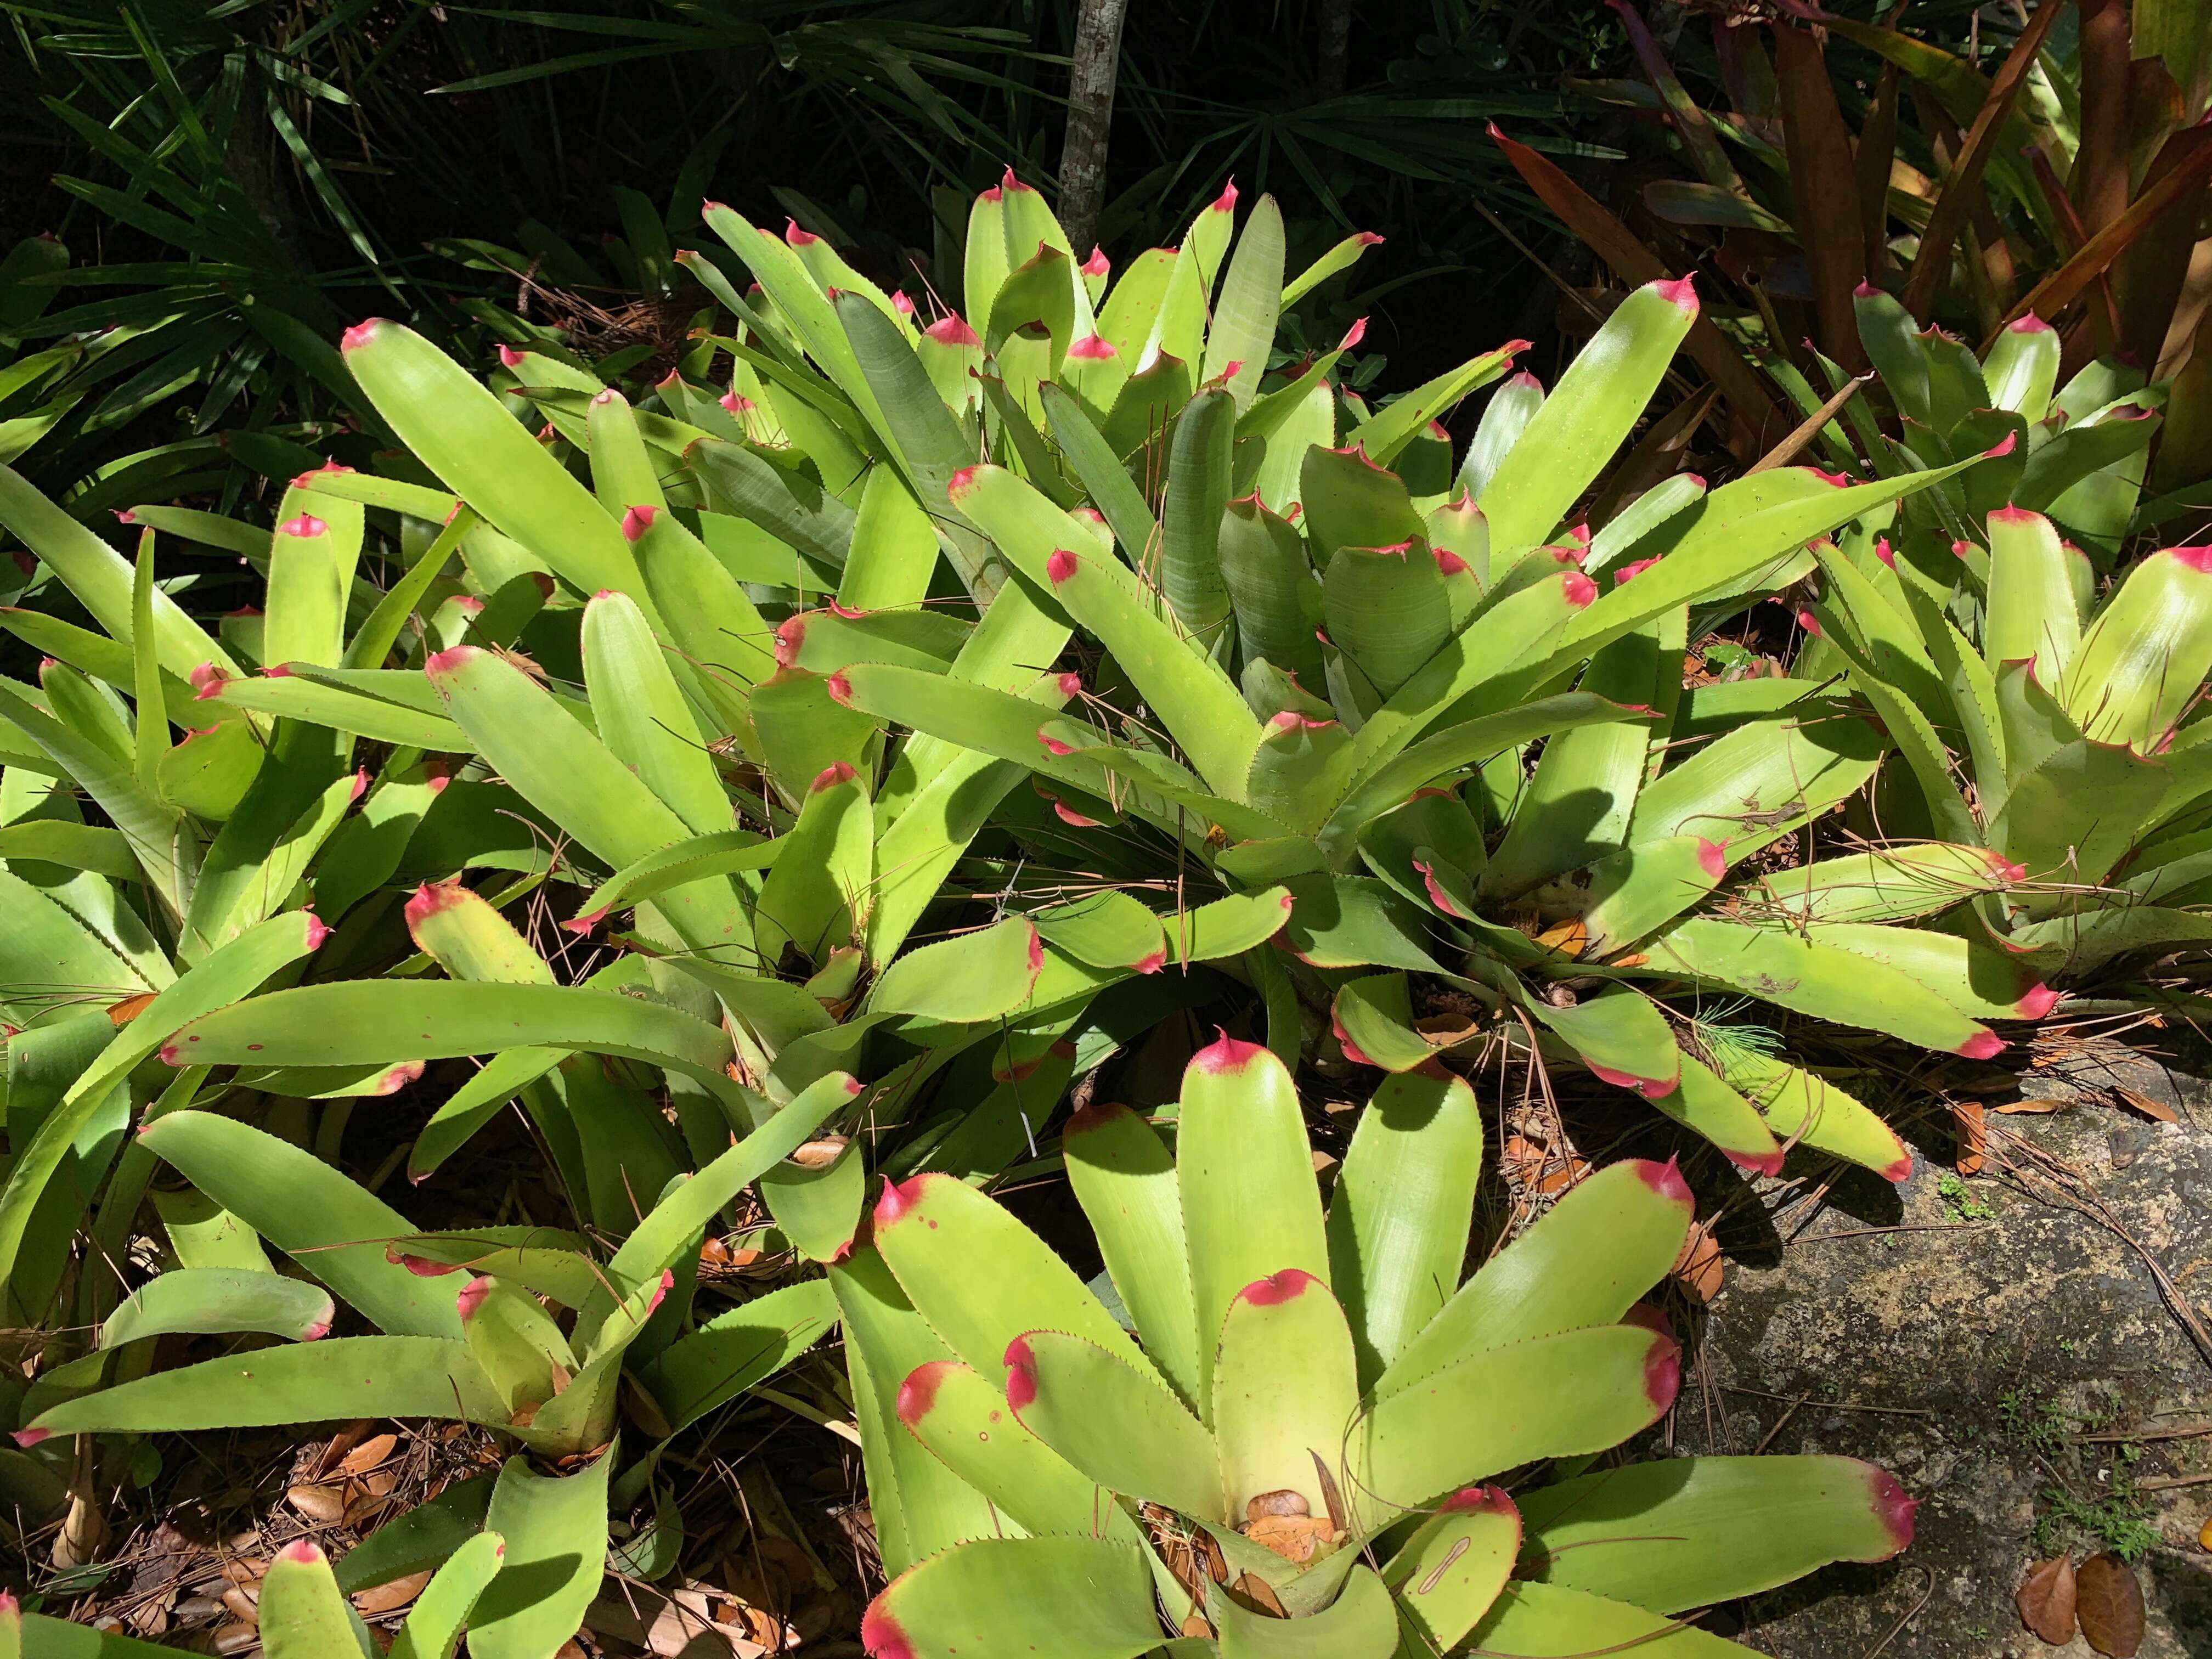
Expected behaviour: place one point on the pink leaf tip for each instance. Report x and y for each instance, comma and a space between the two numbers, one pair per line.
1370, 239
897, 1198
1866, 291
1580, 589
1477, 1500
1097, 264
207, 682
919, 1392
880, 1635
830, 776
472, 1297
1060, 566
1682, 292
306, 525
27, 1438
508, 356
2198, 559
2038, 1000
840, 689
1225, 1053
1093, 348
1449, 562
2003, 447
1277, 1287
1664, 1179
2030, 324
317, 930
1630, 571
798, 237
1070, 684
1662, 1373
124, 515
589, 919
360, 334
636, 520
1809, 622
901, 304
952, 331
1883, 551
1893, 1505
1982, 1045
1712, 857
1152, 964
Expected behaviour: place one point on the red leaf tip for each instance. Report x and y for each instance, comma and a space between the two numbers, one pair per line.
1097, 264
1682, 292
1093, 348
898, 1198
301, 1552
830, 776
1982, 1045
796, 236
1580, 589
1020, 1362
2198, 559
27, 1438
919, 1392
2038, 1000
1226, 202
952, 331
360, 334
1060, 566
1277, 1287
1477, 1500
1712, 857
636, 520
1662, 1373
2030, 324
2003, 447
306, 525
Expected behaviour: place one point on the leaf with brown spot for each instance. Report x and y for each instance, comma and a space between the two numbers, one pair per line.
2110, 1604
2157, 1109
2046, 1599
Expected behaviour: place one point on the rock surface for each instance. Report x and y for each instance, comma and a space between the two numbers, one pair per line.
1989, 1358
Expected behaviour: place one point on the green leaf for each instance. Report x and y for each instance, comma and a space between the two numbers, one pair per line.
463, 435
1708, 1529
1448, 1573
1548, 1396
555, 1532
303, 1614
1245, 1169
1544, 1622
331, 1226
928, 1227
1198, 488
727, 1355
974, 976
642, 717
443, 1609
1399, 1219
348, 1376
963, 1418
218, 1299
1285, 1391
1585, 1262
1124, 1177
1113, 1422
1362, 1623
1077, 1598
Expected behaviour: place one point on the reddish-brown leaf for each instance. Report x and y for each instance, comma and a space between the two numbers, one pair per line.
2148, 1106
1823, 189
1962, 190
1974, 1134
2046, 1599
2064, 285
2110, 1604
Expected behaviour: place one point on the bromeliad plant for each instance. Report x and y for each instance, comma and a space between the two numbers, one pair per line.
1337, 663
1277, 1439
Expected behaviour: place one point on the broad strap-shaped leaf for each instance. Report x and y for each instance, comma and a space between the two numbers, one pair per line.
642, 716
363, 1022
1244, 1169
1547, 1621
1824, 980
460, 431
1897, 883
350, 1375
1811, 1111
1622, 1036
933, 1229
1080, 1598
1548, 1396
1106, 929
302, 1616
333, 1227
1689, 1532
1398, 1218
1125, 1178
1362, 1623
1448, 1573
1113, 1422
218, 1299
1285, 1391
554, 1528
1708, 1106
973, 977
2031, 595
443, 1609
964, 1419
1587, 1261
1571, 436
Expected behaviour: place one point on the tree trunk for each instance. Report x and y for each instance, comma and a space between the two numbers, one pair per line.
1096, 60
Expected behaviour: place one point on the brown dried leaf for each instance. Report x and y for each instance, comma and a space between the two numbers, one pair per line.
325, 1504
2110, 1604
1698, 1268
2046, 1599
122, 1012
1974, 1134
2037, 1108
1286, 1501
389, 1598
1570, 937
1256, 1592
2157, 1109
1294, 1537
369, 1455
820, 1154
